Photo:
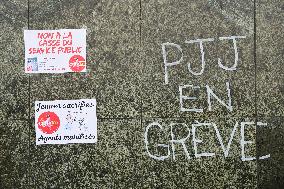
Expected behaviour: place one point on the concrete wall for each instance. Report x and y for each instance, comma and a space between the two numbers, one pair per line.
126, 75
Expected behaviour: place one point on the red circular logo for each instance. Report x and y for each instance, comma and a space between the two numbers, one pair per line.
48, 122
77, 63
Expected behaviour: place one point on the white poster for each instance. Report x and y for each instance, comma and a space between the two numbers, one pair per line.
55, 51
66, 121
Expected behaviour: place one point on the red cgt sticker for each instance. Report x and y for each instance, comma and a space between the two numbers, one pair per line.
48, 122
77, 63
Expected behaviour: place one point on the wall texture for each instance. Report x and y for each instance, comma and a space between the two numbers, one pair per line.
126, 76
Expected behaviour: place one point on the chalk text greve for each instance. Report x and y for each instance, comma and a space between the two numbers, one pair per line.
195, 141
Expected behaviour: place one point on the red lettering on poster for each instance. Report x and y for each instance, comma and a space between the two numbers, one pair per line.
55, 42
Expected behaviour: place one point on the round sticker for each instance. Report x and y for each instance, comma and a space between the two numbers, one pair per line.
77, 63
48, 122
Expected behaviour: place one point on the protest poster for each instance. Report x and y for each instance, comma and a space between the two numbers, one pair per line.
66, 121
55, 51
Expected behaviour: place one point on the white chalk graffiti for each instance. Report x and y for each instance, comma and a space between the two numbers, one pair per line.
200, 41
209, 94
195, 141
234, 67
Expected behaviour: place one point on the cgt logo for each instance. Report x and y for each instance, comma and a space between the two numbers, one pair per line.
77, 63
48, 122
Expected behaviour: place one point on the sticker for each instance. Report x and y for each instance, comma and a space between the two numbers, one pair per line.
55, 51
65, 121
77, 63
48, 122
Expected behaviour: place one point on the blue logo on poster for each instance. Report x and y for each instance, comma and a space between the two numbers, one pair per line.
32, 64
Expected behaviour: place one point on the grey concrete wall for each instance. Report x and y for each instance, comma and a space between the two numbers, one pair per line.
126, 76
